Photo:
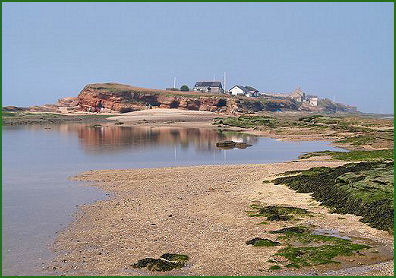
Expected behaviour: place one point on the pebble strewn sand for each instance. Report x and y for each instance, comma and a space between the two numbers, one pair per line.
199, 211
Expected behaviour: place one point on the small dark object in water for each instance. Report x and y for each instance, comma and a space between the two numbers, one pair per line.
232, 144
242, 145
226, 144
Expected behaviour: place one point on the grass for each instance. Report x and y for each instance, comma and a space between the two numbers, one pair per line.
376, 155
276, 213
365, 189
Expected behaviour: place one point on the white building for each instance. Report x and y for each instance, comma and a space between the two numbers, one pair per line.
312, 100
209, 87
247, 91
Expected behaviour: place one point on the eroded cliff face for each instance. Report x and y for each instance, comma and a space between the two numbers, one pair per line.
123, 98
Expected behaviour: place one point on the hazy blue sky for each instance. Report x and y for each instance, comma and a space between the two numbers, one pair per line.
344, 51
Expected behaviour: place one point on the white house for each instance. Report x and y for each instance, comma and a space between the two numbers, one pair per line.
247, 91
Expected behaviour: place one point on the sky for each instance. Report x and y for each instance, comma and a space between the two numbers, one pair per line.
342, 51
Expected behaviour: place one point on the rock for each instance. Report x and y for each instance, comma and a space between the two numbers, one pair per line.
232, 144
226, 144
242, 145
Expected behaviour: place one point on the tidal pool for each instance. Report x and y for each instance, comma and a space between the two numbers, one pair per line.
39, 200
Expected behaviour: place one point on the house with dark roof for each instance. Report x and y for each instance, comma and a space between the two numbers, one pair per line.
209, 87
311, 100
246, 91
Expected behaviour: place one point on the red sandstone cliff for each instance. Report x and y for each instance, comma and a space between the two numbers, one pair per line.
124, 98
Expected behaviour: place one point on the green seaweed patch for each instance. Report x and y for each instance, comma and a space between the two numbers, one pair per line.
166, 262
175, 257
275, 267
376, 155
293, 265
256, 242
276, 213
365, 189
304, 235
316, 249
317, 255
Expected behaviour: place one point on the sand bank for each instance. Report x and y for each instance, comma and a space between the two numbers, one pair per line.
200, 211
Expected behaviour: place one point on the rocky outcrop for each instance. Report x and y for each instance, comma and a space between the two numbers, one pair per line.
107, 97
124, 98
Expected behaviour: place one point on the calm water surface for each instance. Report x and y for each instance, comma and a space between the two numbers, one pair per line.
38, 200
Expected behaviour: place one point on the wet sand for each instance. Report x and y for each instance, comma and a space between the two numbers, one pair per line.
200, 211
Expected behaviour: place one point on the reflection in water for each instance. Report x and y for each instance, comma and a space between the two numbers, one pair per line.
116, 138
38, 197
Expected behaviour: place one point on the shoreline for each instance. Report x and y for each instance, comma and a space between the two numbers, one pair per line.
177, 209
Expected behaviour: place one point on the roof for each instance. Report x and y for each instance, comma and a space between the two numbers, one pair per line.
243, 88
311, 96
246, 89
208, 84
251, 88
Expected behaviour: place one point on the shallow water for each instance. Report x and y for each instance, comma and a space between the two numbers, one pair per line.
38, 200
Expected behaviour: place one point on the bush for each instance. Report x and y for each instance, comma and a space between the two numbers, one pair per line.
184, 88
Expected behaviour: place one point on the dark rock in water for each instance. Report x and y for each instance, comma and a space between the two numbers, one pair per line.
226, 144
242, 145
166, 262
231, 145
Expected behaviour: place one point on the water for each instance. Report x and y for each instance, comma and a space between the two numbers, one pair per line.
39, 200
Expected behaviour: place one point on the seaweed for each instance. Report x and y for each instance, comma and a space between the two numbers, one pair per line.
276, 213
317, 255
316, 249
262, 242
166, 262
376, 155
364, 189
275, 267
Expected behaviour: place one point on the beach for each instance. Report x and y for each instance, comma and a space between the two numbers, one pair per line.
200, 211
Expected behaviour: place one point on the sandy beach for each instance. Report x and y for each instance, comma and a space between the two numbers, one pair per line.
200, 211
